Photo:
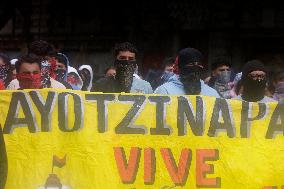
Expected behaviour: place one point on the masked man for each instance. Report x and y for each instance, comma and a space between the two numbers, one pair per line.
189, 80
74, 79
46, 53
124, 81
253, 81
28, 69
86, 73
62, 63
279, 86
221, 77
5, 70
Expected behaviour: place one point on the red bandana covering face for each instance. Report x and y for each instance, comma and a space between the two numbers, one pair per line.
52, 62
28, 81
2, 85
176, 70
72, 79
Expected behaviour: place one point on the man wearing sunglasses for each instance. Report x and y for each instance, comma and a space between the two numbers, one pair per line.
253, 81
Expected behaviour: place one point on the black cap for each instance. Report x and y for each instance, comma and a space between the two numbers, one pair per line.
253, 65
187, 56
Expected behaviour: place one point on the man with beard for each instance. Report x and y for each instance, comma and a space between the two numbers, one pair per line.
124, 81
86, 73
189, 80
253, 81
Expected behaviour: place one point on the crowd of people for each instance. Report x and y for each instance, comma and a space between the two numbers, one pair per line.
44, 67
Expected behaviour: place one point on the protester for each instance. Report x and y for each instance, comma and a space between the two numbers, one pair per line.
189, 80
5, 70
168, 70
158, 77
221, 77
74, 79
124, 81
13, 68
48, 65
110, 72
28, 69
46, 53
279, 86
253, 81
61, 70
236, 85
86, 73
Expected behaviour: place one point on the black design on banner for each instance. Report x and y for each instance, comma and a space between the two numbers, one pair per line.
126, 126
161, 127
63, 112
101, 108
186, 112
221, 109
20, 99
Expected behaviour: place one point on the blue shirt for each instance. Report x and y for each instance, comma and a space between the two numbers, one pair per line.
140, 86
175, 87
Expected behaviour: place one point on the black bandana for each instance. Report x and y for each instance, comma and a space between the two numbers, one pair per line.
253, 89
4, 73
124, 74
190, 78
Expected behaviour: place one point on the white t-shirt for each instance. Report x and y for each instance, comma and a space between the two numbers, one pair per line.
14, 85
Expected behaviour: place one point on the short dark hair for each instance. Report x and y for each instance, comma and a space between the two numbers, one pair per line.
110, 68
168, 61
5, 58
62, 58
41, 48
220, 61
125, 46
29, 58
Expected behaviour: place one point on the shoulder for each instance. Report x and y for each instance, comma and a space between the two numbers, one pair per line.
268, 99
164, 89
13, 85
140, 85
208, 91
55, 84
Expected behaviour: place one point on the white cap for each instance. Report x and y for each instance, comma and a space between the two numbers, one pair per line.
13, 61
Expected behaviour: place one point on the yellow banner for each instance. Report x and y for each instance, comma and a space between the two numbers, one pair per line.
81, 140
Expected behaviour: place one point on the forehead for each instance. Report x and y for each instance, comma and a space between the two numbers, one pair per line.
257, 72
223, 67
29, 66
170, 66
59, 63
111, 70
126, 53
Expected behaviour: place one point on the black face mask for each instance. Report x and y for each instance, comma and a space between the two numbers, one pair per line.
60, 74
86, 77
124, 75
190, 77
253, 89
